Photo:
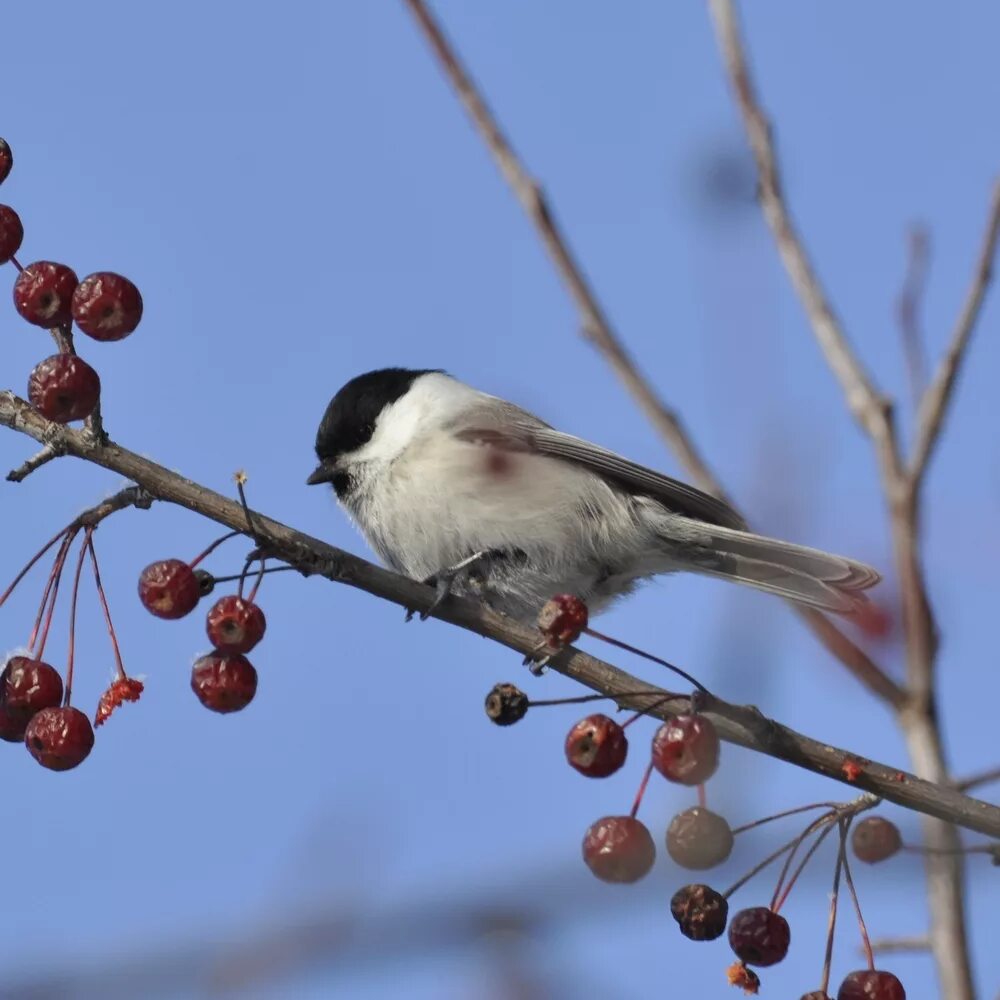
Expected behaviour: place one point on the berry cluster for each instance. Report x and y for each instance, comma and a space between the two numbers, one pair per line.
105, 306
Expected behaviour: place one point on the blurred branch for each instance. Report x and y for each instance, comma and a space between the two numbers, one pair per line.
599, 331
911, 296
918, 718
919, 942
975, 780
742, 725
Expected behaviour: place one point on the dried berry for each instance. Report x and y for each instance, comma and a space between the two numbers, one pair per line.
700, 911
562, 619
506, 704
699, 838
224, 683
106, 306
619, 849
206, 582
748, 980
235, 625
596, 746
686, 749
43, 291
11, 233
6, 160
874, 839
169, 588
759, 936
59, 738
26, 687
63, 388
121, 690
871, 984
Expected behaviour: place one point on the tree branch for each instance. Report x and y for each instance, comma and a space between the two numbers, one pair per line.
742, 725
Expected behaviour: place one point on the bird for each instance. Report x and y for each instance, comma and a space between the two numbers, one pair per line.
478, 497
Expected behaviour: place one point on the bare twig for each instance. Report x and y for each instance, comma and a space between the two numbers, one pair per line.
598, 329
742, 725
981, 778
884, 946
911, 295
41, 457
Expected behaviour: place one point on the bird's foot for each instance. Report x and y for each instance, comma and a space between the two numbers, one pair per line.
444, 582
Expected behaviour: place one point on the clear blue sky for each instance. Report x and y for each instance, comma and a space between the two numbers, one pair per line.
300, 199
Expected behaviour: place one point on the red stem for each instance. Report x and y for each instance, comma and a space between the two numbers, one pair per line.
834, 897
48, 605
71, 652
225, 538
782, 815
257, 582
24, 572
777, 905
642, 789
104, 607
647, 656
865, 941
702, 797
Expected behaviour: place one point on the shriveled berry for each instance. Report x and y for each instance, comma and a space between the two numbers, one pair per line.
224, 682
506, 704
700, 911
59, 738
619, 849
868, 984
26, 687
6, 160
562, 619
168, 588
43, 292
107, 306
596, 746
206, 582
759, 936
235, 625
746, 979
874, 839
11, 233
63, 388
686, 749
699, 838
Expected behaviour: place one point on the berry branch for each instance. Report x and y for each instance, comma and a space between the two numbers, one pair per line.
741, 725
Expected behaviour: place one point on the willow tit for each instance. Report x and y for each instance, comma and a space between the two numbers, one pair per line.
473, 494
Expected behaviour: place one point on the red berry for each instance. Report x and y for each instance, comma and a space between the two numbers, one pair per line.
63, 388
759, 936
107, 306
6, 160
815, 995
42, 293
874, 839
506, 704
619, 849
168, 588
868, 984
224, 683
699, 838
686, 749
700, 911
11, 233
562, 619
235, 625
596, 746
26, 687
59, 738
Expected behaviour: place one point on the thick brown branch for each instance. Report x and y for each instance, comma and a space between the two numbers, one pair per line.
598, 329
741, 725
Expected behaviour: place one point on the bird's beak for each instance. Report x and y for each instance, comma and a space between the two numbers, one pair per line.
322, 474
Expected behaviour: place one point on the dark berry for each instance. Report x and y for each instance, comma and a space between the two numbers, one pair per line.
596, 746
42, 293
26, 687
619, 849
815, 995
11, 233
562, 619
224, 683
699, 838
759, 936
63, 388
868, 984
6, 160
506, 704
206, 582
168, 588
235, 625
700, 911
59, 738
874, 839
686, 749
107, 306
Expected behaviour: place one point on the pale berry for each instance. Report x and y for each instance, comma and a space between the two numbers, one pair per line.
64, 388
619, 849
759, 936
106, 306
686, 749
224, 683
699, 838
11, 233
874, 839
169, 588
596, 746
59, 738
43, 291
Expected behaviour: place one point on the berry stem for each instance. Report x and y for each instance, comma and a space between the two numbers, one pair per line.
778, 903
48, 604
225, 538
643, 712
865, 940
285, 569
702, 797
816, 824
34, 559
578, 700
260, 576
642, 790
71, 651
782, 815
647, 656
16, 263
834, 897
119, 666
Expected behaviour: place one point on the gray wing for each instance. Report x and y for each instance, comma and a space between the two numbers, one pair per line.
504, 425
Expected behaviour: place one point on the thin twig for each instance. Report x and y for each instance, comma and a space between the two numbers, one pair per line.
908, 304
975, 780
40, 458
918, 942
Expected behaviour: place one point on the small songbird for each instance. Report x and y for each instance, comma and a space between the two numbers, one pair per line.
480, 498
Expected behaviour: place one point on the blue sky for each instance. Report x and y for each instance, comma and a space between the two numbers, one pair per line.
299, 198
